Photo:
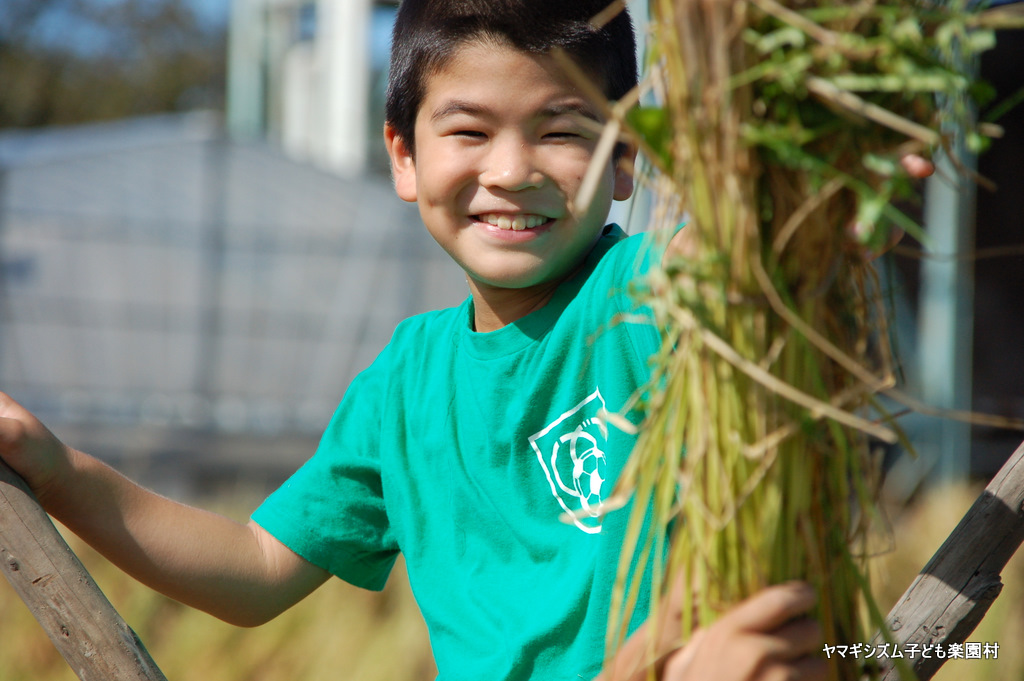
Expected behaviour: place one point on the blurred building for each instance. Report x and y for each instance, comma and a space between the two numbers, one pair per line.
175, 300
188, 297
309, 74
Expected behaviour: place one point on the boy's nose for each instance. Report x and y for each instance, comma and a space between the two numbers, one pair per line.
510, 166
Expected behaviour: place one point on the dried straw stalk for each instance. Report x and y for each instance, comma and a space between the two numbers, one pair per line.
776, 139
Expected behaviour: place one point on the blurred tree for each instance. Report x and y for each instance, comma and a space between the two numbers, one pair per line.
71, 61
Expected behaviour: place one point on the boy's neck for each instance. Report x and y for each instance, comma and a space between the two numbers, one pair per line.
494, 308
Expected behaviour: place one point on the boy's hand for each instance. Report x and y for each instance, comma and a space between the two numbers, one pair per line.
917, 166
32, 451
234, 571
767, 637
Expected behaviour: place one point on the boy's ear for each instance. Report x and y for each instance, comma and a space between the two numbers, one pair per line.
403, 168
624, 165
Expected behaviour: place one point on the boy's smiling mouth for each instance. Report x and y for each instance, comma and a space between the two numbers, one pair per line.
515, 223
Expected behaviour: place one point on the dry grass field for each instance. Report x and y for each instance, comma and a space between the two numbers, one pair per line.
917, 532
341, 632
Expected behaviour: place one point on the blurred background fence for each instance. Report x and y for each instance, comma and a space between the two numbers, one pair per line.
176, 300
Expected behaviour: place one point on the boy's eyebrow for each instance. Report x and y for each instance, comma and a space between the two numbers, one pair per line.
578, 108
458, 106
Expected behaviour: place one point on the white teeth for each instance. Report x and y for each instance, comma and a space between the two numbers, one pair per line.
517, 223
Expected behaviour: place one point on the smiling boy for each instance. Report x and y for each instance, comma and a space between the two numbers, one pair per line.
479, 428
498, 158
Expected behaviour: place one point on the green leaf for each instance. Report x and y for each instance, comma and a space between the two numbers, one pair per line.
981, 40
908, 32
982, 92
976, 142
869, 211
1005, 106
654, 126
934, 81
883, 165
789, 36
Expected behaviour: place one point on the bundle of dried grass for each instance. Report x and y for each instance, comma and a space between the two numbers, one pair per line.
778, 138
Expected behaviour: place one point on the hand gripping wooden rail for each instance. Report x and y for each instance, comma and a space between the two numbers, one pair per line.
78, 618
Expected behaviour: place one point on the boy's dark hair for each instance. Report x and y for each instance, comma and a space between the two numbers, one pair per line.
428, 32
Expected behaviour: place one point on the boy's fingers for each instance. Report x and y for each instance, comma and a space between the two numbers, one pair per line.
12, 431
807, 669
811, 669
792, 652
6, 404
917, 166
11, 409
772, 607
794, 640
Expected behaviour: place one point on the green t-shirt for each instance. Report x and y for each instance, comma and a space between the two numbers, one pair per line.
464, 451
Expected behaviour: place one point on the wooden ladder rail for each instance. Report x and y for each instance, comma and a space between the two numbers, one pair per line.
96, 642
954, 590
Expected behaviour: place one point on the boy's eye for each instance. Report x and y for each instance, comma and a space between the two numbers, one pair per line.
469, 133
562, 135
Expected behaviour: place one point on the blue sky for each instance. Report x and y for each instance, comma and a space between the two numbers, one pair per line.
59, 28
214, 11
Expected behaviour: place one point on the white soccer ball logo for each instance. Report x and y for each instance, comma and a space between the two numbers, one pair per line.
588, 468
570, 452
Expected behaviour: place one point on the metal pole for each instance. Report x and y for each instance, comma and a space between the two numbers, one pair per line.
946, 320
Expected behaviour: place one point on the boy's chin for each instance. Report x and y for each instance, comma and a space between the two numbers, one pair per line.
521, 272
523, 281
510, 281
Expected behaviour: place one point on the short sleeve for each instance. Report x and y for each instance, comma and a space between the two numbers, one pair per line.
331, 511
623, 272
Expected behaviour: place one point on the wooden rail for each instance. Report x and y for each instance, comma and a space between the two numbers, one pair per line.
78, 618
954, 590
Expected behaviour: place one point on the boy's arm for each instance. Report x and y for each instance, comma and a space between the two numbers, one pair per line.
234, 571
767, 637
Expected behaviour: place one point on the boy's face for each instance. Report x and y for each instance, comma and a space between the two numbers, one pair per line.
501, 150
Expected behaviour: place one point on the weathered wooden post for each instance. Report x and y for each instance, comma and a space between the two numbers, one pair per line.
954, 590
78, 618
